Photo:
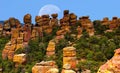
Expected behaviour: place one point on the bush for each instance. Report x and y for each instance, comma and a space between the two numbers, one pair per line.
88, 64
99, 56
99, 28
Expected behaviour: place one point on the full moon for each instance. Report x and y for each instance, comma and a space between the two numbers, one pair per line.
49, 9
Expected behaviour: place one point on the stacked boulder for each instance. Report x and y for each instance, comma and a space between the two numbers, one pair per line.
6, 28
46, 24
38, 20
66, 18
60, 34
45, 67
87, 24
7, 52
27, 20
69, 58
65, 28
73, 19
27, 28
11, 47
14, 44
45, 21
113, 23
105, 21
51, 49
54, 20
112, 65
12, 22
27, 33
19, 59
39, 24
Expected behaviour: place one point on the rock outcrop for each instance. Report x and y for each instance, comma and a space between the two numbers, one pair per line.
112, 65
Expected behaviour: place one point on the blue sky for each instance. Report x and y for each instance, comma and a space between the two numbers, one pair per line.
96, 9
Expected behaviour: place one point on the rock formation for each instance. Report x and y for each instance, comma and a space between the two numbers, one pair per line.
69, 57
45, 67
112, 65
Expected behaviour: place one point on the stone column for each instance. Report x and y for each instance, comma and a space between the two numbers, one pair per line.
69, 57
54, 20
51, 49
73, 19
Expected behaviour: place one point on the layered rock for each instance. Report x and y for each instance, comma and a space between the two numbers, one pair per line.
45, 67
8, 51
73, 19
114, 23
38, 20
87, 24
54, 20
69, 57
19, 59
51, 49
105, 21
112, 65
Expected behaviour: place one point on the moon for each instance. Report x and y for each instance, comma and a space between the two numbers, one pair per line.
49, 9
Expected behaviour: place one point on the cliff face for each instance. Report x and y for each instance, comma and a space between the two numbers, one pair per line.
112, 65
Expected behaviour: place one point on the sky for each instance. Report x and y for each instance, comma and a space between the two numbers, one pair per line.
96, 9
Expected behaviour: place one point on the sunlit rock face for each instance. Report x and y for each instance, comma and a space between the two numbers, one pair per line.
45, 67
112, 65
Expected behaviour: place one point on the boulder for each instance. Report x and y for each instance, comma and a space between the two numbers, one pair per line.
112, 65
70, 60
19, 58
66, 12
51, 46
44, 67
68, 71
38, 19
53, 70
12, 21
27, 18
69, 52
54, 15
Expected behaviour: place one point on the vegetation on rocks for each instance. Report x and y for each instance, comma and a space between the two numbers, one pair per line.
91, 51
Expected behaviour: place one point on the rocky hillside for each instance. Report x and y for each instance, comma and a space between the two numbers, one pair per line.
68, 45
